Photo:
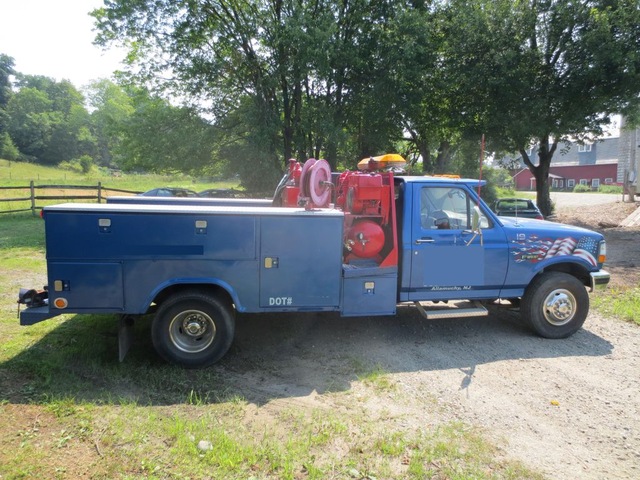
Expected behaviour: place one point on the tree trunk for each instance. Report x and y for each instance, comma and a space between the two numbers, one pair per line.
444, 156
541, 173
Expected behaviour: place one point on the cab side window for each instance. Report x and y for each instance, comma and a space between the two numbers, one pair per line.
448, 208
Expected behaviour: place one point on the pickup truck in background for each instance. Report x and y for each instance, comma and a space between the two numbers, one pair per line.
517, 207
358, 243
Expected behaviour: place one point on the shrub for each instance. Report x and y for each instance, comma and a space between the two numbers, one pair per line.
82, 164
610, 189
499, 184
86, 163
580, 188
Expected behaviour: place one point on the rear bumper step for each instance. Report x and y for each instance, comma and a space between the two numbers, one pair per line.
33, 315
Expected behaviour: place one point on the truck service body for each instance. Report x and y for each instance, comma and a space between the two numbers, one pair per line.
358, 244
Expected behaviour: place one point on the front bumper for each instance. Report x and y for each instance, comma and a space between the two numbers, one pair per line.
599, 280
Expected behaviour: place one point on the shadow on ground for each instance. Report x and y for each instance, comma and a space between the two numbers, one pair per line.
273, 356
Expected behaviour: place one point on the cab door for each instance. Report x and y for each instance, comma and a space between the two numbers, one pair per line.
448, 259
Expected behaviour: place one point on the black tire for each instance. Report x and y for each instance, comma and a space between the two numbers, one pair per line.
555, 305
193, 329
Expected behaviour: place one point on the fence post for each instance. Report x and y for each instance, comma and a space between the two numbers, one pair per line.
99, 192
33, 198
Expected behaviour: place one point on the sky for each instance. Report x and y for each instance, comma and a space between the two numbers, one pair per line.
54, 38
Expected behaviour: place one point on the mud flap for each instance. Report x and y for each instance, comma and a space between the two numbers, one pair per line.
125, 335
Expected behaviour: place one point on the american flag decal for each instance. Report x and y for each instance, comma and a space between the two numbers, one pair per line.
562, 246
536, 249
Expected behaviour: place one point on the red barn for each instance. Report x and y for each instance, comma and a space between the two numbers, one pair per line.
591, 164
565, 177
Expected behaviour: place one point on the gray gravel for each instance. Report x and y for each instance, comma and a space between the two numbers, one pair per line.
570, 199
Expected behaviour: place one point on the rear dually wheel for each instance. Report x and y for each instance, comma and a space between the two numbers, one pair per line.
193, 329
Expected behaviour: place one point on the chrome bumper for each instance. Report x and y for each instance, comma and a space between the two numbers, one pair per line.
599, 279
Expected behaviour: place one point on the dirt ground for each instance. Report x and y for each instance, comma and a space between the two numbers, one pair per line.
623, 244
568, 408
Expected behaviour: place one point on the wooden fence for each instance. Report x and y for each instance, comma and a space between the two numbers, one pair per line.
34, 194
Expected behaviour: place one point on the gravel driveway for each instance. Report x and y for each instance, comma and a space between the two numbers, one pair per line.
568, 408
570, 199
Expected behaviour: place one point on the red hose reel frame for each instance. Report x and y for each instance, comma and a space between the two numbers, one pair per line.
366, 198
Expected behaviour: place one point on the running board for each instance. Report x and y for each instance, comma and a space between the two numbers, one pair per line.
434, 311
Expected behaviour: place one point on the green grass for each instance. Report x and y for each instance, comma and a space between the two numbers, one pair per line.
623, 303
68, 409
20, 174
374, 376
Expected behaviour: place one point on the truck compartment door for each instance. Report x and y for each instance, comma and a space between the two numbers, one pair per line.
91, 286
301, 261
369, 291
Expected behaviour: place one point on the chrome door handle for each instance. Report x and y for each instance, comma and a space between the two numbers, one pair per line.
424, 240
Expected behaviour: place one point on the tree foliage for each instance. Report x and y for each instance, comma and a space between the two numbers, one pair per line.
47, 120
305, 67
6, 71
110, 107
544, 71
341, 80
159, 137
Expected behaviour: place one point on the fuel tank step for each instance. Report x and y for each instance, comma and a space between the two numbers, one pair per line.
431, 311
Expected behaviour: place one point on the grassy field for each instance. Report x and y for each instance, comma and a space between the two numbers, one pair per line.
69, 410
19, 174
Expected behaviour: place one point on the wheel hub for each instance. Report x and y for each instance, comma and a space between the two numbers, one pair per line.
194, 326
192, 331
559, 307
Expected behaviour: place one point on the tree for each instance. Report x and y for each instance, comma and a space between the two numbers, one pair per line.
48, 121
7, 147
159, 137
544, 71
6, 71
418, 87
111, 107
305, 66
29, 125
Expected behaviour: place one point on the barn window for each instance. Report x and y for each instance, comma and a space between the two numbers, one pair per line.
584, 148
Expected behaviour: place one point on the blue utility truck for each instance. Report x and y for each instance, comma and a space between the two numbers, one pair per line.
358, 243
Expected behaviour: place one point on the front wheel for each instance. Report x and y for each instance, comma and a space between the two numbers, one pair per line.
193, 329
555, 304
